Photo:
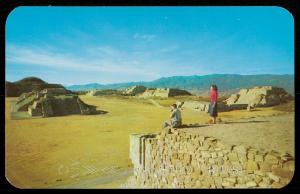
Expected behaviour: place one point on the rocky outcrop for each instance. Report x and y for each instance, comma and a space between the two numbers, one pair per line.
183, 160
258, 97
164, 92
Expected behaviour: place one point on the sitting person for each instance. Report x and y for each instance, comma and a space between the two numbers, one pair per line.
175, 118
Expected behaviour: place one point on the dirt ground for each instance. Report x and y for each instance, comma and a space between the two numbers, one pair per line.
266, 133
92, 151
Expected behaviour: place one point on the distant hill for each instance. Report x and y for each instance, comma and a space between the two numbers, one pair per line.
227, 83
28, 84
85, 87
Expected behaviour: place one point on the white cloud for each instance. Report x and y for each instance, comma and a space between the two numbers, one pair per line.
31, 55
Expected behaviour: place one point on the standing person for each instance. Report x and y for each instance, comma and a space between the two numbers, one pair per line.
175, 117
213, 108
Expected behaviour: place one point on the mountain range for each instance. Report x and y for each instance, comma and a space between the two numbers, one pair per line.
197, 84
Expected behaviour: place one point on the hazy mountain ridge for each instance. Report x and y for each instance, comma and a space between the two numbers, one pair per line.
28, 84
227, 83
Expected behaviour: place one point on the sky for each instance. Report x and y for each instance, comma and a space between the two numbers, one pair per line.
79, 45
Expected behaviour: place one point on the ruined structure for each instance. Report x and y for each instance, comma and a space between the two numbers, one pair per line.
203, 106
183, 160
52, 102
245, 99
261, 96
134, 90
104, 92
164, 92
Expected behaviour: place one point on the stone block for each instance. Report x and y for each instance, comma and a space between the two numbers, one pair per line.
259, 173
273, 177
259, 158
198, 184
233, 157
219, 161
242, 157
230, 179
251, 184
211, 161
285, 173
240, 186
264, 185
258, 179
271, 158
251, 152
251, 165
265, 167
240, 149
220, 154
205, 154
290, 165
214, 155
227, 184
220, 145
287, 157
277, 185
250, 156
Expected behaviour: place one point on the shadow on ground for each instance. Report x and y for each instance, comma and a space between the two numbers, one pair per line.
192, 125
239, 122
98, 112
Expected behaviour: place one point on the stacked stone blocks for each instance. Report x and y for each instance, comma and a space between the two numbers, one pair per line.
182, 160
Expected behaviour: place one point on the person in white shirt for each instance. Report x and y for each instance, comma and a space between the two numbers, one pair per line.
175, 118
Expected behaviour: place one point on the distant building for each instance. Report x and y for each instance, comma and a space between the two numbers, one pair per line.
134, 90
164, 92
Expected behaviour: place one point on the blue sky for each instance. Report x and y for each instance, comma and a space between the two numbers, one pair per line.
77, 45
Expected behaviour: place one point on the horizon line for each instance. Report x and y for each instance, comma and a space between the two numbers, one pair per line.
106, 84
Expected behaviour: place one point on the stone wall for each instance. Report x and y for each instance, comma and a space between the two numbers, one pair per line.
182, 160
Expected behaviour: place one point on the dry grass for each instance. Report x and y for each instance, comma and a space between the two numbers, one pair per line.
45, 152
286, 107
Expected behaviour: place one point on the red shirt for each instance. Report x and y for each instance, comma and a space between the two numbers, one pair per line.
213, 96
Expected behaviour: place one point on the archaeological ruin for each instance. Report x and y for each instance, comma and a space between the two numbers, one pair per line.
164, 92
134, 90
260, 96
52, 102
104, 92
183, 160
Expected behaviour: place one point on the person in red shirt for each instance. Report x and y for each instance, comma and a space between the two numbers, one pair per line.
213, 108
